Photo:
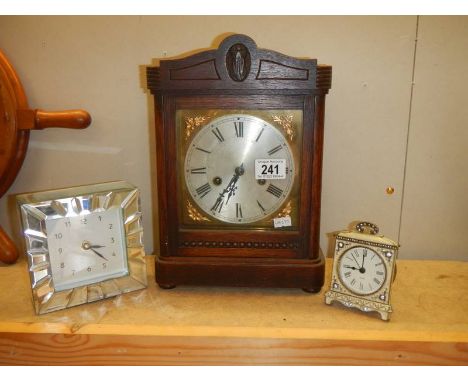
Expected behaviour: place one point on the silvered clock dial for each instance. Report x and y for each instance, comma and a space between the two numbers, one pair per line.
239, 168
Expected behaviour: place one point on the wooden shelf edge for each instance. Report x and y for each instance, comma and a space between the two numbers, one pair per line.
235, 332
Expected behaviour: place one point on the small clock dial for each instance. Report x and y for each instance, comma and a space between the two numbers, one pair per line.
86, 248
362, 270
220, 169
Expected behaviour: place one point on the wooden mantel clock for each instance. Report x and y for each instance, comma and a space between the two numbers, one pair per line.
16, 122
239, 134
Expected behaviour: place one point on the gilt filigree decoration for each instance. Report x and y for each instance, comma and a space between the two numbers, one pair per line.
194, 214
286, 123
286, 211
192, 123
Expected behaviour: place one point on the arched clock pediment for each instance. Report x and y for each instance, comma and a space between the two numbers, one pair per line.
239, 65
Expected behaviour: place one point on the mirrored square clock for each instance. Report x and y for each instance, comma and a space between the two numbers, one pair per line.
83, 244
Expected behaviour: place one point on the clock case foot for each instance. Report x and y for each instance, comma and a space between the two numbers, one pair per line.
385, 310
305, 274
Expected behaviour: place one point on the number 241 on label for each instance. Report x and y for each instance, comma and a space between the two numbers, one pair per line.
270, 168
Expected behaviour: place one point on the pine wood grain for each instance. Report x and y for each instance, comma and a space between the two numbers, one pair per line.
62, 349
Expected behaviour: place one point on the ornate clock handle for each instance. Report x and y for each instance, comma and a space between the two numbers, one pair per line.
39, 119
373, 229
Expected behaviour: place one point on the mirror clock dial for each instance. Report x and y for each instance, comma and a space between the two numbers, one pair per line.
86, 248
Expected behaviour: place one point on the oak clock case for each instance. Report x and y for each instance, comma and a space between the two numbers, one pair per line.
83, 244
364, 269
239, 134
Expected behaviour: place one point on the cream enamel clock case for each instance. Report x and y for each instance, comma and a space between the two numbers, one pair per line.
363, 270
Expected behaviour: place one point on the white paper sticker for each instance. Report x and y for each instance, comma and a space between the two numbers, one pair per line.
284, 221
270, 169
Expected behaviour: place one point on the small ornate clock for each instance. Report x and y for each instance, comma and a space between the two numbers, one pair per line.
363, 270
239, 134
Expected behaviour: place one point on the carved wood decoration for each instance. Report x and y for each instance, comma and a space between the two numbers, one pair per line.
16, 121
239, 76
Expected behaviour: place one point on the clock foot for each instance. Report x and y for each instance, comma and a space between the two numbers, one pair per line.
163, 286
312, 290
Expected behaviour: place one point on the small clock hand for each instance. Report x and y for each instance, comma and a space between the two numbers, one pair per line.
97, 246
97, 253
348, 266
356, 261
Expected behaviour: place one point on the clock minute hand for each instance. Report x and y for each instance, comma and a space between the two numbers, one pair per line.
363, 257
356, 261
238, 172
228, 188
97, 253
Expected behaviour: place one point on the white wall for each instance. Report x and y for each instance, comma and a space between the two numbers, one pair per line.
97, 63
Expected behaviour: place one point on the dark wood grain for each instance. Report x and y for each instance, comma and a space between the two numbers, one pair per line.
238, 75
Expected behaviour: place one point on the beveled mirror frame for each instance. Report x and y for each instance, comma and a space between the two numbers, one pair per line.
102, 197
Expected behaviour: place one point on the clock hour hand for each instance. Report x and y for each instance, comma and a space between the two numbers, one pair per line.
348, 266
87, 245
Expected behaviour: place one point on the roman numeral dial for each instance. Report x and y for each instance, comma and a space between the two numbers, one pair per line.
362, 270
219, 169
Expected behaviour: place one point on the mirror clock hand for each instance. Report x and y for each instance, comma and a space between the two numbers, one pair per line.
86, 245
97, 253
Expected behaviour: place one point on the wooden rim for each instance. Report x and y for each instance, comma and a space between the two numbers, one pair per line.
18, 141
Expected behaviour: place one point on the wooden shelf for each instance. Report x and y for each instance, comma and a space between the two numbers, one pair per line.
194, 325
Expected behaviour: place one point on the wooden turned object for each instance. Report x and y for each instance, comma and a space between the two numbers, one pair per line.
16, 121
